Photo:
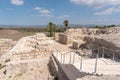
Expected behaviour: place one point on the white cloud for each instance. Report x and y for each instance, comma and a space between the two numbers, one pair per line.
109, 11
17, 2
43, 11
64, 16
96, 3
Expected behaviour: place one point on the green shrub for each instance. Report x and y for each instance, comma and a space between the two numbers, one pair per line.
55, 78
1, 66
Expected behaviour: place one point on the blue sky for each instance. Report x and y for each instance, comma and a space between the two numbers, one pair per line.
41, 12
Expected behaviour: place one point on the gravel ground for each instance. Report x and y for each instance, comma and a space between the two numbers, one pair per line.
100, 78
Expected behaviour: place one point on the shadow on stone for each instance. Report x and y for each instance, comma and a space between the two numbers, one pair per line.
72, 72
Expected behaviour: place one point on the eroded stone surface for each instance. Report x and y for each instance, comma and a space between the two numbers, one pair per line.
28, 59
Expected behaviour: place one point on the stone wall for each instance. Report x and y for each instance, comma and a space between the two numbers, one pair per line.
74, 34
28, 59
64, 38
31, 47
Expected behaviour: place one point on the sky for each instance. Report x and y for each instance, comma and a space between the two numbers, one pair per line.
41, 12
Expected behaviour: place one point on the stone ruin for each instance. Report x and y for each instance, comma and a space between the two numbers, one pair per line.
32, 47
34, 70
64, 38
92, 38
74, 36
29, 57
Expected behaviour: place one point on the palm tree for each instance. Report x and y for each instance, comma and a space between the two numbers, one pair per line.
51, 29
66, 22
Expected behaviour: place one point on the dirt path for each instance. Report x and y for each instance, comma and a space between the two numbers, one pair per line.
61, 47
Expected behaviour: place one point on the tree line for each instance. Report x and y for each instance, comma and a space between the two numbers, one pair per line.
105, 26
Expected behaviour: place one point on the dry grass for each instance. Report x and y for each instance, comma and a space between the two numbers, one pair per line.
13, 34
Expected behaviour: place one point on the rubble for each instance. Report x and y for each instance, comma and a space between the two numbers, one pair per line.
29, 57
76, 44
92, 38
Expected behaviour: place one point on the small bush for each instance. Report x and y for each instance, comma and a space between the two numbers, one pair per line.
55, 78
1, 66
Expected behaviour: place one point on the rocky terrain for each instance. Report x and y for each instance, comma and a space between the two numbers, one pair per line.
110, 40
100, 78
89, 41
27, 60
92, 38
6, 45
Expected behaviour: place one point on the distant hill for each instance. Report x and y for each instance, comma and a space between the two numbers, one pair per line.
42, 26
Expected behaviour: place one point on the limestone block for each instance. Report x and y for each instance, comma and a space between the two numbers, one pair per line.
75, 44
63, 38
